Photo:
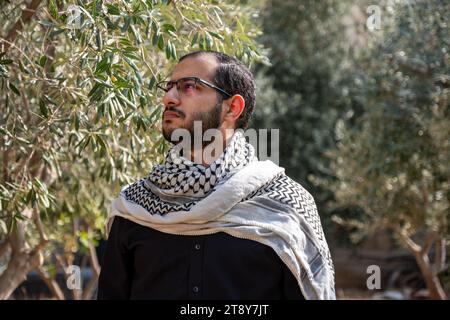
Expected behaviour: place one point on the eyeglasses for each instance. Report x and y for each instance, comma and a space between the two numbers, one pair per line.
188, 83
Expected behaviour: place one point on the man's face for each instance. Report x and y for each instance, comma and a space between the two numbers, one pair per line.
194, 104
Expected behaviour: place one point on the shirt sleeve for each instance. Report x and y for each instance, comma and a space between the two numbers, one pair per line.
291, 288
115, 275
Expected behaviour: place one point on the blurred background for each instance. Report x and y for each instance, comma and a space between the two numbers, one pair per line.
358, 89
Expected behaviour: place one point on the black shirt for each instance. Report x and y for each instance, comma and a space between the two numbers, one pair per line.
143, 263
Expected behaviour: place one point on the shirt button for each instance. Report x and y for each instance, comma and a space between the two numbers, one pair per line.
195, 289
197, 246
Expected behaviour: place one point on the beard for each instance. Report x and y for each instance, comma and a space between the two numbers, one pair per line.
209, 120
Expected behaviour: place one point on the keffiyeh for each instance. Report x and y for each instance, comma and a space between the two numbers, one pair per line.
241, 196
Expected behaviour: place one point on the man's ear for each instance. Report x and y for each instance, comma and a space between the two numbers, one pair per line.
236, 105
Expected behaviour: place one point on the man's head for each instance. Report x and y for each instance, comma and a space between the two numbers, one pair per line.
214, 88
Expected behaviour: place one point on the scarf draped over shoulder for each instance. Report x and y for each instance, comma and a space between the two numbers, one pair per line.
238, 195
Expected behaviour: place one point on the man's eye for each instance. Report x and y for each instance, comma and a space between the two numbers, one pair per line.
189, 85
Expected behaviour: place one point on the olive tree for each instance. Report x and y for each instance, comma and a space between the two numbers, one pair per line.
393, 161
79, 115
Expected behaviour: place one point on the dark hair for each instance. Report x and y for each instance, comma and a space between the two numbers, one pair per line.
235, 78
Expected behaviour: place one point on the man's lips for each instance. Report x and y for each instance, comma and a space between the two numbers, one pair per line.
170, 115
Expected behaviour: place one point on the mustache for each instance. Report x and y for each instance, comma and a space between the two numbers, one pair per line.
179, 112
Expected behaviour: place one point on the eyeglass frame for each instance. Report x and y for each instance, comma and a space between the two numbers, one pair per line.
196, 79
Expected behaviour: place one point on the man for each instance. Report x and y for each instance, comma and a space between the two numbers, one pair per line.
226, 226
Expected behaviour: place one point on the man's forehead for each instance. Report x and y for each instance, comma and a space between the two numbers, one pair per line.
202, 66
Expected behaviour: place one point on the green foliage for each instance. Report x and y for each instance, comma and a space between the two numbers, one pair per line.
363, 116
301, 92
393, 161
79, 110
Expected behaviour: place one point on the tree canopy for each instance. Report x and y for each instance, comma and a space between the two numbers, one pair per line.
80, 114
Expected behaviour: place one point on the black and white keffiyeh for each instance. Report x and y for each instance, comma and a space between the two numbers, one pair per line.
179, 183
187, 177
241, 196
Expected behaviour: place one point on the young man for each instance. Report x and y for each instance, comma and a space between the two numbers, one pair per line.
226, 226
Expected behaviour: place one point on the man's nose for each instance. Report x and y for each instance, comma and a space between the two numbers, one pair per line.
171, 97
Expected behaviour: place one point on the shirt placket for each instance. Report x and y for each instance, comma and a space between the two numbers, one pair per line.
196, 271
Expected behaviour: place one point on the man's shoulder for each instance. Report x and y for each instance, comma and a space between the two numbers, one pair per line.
286, 184
123, 224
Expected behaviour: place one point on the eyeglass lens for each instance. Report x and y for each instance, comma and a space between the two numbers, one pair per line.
183, 85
